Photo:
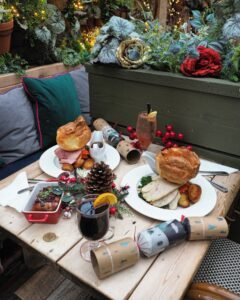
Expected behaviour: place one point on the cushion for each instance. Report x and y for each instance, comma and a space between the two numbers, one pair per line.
80, 78
18, 135
55, 103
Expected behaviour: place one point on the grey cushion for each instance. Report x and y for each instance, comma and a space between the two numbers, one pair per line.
18, 135
80, 78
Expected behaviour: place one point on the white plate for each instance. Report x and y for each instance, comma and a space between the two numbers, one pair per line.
206, 203
50, 165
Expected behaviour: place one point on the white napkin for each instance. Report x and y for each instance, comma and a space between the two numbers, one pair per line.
9, 195
207, 165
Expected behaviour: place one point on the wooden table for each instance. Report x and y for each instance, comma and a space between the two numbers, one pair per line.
165, 276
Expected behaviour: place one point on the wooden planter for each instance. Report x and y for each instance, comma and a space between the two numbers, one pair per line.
5, 36
207, 110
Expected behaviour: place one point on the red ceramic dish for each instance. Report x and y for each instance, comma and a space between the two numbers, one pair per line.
49, 217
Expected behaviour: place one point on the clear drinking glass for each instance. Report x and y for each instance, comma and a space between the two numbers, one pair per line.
145, 129
93, 223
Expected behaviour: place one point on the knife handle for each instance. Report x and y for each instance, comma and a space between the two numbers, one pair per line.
219, 187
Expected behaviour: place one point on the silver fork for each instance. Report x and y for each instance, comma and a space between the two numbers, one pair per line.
218, 186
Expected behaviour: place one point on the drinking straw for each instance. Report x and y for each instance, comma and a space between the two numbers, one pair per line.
149, 108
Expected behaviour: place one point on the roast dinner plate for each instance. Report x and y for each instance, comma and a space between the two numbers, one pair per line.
204, 206
50, 165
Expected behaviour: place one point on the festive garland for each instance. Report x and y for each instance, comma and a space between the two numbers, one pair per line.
74, 188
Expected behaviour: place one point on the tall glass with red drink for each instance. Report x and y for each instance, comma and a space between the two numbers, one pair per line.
146, 128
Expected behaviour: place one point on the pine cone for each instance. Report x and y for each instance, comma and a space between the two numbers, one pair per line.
99, 179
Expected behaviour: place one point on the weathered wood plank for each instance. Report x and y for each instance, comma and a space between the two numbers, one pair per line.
69, 290
8, 81
10, 219
119, 285
41, 284
67, 235
162, 12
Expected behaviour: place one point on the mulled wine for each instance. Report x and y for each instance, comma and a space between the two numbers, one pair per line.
93, 222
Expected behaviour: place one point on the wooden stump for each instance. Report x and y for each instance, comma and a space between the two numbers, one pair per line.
61, 4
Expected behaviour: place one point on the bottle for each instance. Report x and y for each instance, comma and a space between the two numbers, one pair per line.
110, 134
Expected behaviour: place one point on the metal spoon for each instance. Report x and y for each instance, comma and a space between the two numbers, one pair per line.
218, 186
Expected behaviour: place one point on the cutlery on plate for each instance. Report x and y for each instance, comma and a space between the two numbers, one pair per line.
218, 186
220, 173
25, 190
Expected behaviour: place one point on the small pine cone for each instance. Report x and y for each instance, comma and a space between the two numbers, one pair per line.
99, 179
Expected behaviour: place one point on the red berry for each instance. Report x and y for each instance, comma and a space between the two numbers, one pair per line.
72, 180
189, 147
112, 210
63, 178
130, 129
167, 135
172, 134
132, 136
138, 145
175, 145
164, 140
169, 144
180, 136
158, 133
169, 127
113, 185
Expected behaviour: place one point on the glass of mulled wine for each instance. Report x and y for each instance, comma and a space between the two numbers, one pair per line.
146, 128
93, 223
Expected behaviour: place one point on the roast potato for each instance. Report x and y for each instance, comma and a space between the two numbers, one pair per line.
194, 192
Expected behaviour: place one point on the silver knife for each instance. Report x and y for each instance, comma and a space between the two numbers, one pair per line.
220, 173
218, 186
25, 190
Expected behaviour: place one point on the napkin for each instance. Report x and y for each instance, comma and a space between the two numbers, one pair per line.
207, 165
9, 195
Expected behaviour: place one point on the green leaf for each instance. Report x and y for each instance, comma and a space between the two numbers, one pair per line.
55, 22
145, 180
196, 14
43, 34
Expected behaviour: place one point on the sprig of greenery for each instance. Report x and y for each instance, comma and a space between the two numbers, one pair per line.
70, 57
12, 64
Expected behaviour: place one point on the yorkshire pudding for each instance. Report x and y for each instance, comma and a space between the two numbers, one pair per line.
74, 135
177, 165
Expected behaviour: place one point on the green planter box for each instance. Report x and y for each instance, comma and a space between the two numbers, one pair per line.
207, 110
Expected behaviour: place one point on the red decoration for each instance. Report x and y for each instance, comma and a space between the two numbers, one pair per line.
189, 147
180, 136
167, 135
130, 129
113, 210
169, 144
158, 133
207, 64
169, 127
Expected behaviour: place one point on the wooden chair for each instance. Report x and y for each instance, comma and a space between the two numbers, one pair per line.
219, 275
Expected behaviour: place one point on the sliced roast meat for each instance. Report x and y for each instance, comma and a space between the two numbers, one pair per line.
67, 157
